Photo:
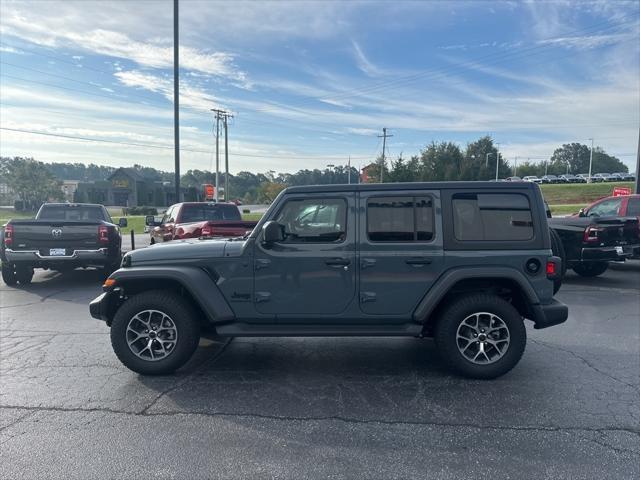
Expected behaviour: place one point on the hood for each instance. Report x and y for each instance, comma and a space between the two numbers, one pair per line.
169, 252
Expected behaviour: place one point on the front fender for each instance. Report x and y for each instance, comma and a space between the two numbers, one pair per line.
194, 280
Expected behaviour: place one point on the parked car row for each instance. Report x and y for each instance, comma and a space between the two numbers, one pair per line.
578, 178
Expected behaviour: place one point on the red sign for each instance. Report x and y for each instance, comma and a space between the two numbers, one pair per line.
209, 191
618, 191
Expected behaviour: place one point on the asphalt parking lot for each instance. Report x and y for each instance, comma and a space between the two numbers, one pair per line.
318, 408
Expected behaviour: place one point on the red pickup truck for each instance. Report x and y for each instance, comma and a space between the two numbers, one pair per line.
198, 220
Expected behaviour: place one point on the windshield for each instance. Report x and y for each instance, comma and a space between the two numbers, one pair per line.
211, 213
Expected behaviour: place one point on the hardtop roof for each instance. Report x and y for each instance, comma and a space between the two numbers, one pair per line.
386, 187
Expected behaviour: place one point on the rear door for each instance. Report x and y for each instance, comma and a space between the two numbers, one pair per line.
400, 250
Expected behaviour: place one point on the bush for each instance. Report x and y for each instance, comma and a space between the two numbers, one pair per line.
142, 210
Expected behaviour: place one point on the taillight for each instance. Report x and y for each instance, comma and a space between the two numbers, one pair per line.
206, 231
551, 268
103, 234
8, 235
591, 234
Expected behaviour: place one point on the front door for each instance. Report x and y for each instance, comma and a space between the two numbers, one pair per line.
400, 250
312, 271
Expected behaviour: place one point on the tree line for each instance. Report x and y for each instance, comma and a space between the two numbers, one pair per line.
34, 181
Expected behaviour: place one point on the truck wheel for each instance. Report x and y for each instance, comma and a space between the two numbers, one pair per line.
24, 275
558, 251
590, 269
154, 333
480, 336
9, 274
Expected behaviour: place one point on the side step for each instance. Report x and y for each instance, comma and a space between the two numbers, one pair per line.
236, 329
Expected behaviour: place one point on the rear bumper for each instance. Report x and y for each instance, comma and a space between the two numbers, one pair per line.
551, 314
98, 256
610, 254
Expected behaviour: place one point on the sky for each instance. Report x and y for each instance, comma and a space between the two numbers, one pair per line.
311, 84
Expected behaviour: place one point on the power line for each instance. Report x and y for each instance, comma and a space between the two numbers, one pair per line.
169, 147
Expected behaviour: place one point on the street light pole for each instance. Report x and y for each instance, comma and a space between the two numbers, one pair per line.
176, 99
497, 164
349, 171
590, 159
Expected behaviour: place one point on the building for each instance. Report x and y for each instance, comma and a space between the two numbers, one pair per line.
69, 188
367, 172
127, 187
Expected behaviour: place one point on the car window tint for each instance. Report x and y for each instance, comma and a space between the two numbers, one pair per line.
606, 208
492, 217
71, 213
314, 220
209, 213
400, 219
633, 207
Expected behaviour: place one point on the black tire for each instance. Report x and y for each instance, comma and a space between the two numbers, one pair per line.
558, 251
590, 269
180, 313
452, 317
24, 275
9, 274
153, 241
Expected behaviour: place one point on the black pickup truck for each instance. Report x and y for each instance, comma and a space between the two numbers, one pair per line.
589, 242
62, 237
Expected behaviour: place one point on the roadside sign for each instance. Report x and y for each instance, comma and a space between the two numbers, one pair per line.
209, 191
618, 191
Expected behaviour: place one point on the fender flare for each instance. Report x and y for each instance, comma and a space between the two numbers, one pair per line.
448, 279
193, 279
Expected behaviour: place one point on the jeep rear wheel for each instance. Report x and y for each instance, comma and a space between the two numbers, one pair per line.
481, 336
154, 333
590, 269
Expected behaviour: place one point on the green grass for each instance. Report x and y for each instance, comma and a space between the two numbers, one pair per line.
566, 209
579, 193
251, 217
7, 214
135, 222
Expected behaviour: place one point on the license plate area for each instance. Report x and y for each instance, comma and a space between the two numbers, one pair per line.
57, 252
619, 250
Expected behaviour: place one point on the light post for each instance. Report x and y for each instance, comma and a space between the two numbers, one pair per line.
332, 166
497, 164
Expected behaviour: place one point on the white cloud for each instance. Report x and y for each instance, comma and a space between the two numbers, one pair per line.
363, 63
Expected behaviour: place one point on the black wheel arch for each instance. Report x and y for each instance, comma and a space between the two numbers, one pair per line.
192, 283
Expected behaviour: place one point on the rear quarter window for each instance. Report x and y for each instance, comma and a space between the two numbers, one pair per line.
494, 217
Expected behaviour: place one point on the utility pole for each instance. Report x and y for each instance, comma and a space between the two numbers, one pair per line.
497, 159
590, 159
638, 165
176, 100
349, 171
515, 169
221, 115
384, 146
226, 156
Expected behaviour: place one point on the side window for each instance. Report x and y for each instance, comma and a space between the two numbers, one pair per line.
633, 207
322, 220
607, 208
167, 215
492, 217
400, 219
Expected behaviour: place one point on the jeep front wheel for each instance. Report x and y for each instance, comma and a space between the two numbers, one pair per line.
481, 336
154, 333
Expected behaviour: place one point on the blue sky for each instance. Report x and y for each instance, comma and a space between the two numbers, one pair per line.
310, 83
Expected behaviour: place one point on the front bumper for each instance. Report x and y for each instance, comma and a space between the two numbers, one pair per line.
104, 306
550, 314
99, 255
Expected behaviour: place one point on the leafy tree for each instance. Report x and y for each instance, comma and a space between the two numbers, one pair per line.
477, 166
576, 155
31, 181
268, 191
441, 161
404, 170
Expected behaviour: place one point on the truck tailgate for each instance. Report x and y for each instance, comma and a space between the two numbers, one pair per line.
44, 235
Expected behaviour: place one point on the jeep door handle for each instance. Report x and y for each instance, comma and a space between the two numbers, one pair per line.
338, 262
418, 261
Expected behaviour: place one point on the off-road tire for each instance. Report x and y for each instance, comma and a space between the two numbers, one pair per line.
459, 309
590, 269
558, 251
182, 316
9, 274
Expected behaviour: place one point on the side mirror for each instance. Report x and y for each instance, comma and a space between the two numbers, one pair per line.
581, 213
272, 232
122, 223
150, 220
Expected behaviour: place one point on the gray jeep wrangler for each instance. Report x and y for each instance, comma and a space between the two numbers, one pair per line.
462, 262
